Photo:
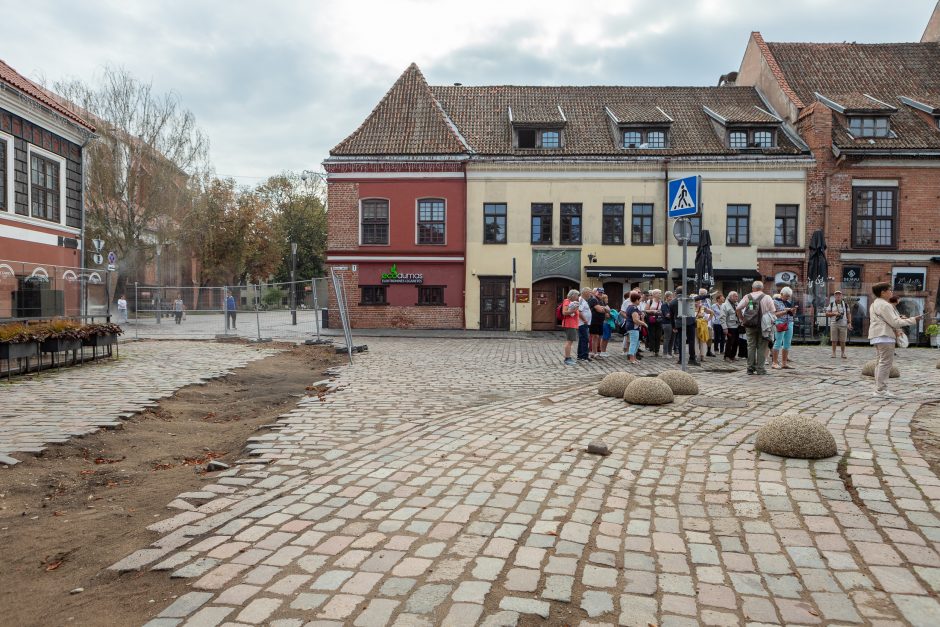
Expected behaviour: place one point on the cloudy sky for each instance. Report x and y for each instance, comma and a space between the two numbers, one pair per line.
276, 83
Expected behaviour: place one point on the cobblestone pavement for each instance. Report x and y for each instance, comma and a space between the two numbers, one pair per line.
445, 482
266, 324
58, 405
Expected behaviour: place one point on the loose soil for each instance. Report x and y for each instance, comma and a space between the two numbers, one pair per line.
69, 514
925, 431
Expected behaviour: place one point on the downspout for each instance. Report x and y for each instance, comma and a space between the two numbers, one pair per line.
83, 308
666, 221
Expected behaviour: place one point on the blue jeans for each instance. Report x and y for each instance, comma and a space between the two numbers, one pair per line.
782, 339
634, 336
583, 333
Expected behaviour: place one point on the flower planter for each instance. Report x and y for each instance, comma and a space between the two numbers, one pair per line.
18, 351
100, 341
58, 345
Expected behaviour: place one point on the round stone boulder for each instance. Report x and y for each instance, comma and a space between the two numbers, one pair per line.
795, 435
615, 383
938, 365
680, 382
648, 391
869, 369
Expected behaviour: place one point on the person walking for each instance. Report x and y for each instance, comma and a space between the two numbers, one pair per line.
178, 308
667, 326
728, 321
837, 313
783, 333
654, 320
634, 324
584, 325
718, 334
750, 311
884, 327
230, 311
122, 309
569, 323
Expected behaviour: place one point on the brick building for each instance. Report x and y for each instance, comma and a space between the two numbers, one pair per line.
870, 113
41, 203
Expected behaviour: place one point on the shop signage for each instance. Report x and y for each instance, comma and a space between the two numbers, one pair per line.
394, 276
522, 294
785, 278
908, 279
852, 277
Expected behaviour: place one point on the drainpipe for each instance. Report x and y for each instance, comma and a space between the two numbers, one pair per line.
666, 221
83, 305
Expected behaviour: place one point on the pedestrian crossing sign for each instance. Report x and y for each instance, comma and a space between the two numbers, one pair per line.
684, 196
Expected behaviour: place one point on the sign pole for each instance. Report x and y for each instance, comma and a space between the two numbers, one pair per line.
515, 301
684, 305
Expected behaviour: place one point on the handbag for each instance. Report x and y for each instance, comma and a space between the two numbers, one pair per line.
903, 340
783, 326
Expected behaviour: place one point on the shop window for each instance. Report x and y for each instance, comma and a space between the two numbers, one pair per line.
642, 231
570, 223
431, 221
430, 295
739, 225
373, 295
494, 223
612, 226
874, 214
541, 223
374, 226
785, 225
44, 188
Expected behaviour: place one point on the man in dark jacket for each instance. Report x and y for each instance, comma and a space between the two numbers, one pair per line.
689, 322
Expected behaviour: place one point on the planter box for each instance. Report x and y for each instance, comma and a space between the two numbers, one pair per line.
18, 351
100, 341
60, 345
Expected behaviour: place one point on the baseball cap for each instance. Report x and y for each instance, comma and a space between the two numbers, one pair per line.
600, 290
837, 292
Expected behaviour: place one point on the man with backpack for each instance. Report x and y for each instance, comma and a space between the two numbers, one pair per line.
567, 314
750, 312
839, 322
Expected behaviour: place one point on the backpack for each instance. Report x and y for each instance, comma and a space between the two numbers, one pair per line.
559, 318
751, 316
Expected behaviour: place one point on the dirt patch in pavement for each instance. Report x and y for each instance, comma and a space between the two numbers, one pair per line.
925, 431
69, 514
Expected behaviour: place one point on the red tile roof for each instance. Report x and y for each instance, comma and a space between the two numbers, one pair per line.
12, 77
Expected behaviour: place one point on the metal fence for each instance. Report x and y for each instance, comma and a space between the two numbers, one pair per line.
31, 291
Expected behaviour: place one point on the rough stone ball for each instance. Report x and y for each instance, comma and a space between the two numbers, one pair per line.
869, 370
938, 365
648, 391
615, 383
680, 382
795, 435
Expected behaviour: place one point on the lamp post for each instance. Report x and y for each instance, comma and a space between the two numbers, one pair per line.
293, 285
158, 299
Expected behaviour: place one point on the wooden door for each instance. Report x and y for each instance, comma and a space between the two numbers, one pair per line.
614, 293
494, 303
544, 303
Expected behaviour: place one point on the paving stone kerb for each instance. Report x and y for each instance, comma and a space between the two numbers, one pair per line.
615, 383
473, 500
680, 382
869, 370
648, 391
795, 435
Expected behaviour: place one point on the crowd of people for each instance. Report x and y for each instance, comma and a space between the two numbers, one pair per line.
756, 327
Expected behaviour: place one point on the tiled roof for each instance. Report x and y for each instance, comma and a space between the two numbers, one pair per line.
733, 113
12, 77
883, 71
479, 113
528, 113
407, 121
632, 113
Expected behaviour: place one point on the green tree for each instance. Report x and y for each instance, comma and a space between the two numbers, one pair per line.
298, 215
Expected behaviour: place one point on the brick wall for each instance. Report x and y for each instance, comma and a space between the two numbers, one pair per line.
343, 203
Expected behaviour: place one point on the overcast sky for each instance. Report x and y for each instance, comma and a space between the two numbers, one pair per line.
277, 83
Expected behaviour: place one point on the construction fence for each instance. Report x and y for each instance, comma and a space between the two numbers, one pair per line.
31, 291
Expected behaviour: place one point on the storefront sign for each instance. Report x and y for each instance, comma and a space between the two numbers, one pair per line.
522, 294
394, 276
851, 277
786, 278
908, 279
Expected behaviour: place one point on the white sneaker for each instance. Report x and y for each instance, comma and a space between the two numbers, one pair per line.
604, 354
889, 394
877, 394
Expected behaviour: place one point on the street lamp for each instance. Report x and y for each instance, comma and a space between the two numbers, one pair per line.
159, 305
293, 285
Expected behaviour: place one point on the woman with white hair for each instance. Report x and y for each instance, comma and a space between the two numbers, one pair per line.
783, 334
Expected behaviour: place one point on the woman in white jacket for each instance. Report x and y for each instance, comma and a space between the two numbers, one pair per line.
883, 329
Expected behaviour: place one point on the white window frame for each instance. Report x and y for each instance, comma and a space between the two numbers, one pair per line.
359, 224
8, 168
418, 215
30, 150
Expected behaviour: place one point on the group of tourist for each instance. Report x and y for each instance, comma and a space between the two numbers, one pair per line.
755, 327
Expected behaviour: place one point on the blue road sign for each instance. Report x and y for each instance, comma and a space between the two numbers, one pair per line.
112, 257
684, 196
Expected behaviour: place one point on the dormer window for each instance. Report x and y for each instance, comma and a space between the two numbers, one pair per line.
869, 126
742, 139
738, 139
643, 138
538, 138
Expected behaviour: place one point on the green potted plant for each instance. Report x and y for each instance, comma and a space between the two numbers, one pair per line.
59, 336
17, 342
933, 332
100, 335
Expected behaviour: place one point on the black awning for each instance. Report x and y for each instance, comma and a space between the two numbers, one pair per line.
677, 273
623, 272
737, 275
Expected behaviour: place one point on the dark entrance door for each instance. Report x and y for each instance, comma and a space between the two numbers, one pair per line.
494, 303
614, 293
546, 296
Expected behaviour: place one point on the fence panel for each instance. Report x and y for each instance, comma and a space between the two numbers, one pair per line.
30, 291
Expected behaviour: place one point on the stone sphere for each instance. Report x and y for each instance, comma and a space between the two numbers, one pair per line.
795, 435
680, 382
615, 383
869, 370
648, 391
938, 365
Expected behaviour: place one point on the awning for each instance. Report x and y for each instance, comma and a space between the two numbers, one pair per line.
624, 272
737, 275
